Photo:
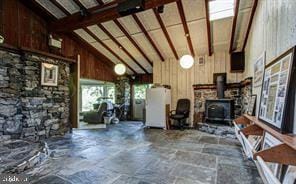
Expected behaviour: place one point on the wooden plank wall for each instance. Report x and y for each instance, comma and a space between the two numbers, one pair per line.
273, 31
21, 27
181, 80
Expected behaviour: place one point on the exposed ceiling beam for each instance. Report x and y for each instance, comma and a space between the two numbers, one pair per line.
103, 14
120, 46
250, 24
165, 33
133, 41
108, 48
209, 35
91, 49
148, 36
57, 4
185, 27
81, 6
39, 10
234, 25
100, 2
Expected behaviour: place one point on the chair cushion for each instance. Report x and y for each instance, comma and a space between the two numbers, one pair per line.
177, 116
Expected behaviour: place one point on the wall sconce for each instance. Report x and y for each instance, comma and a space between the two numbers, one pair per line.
1, 39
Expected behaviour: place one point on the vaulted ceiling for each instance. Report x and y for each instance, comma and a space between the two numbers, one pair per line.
140, 39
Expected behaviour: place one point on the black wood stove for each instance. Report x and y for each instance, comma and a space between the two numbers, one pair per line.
220, 109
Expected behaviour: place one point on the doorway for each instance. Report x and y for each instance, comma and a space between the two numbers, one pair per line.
96, 98
139, 98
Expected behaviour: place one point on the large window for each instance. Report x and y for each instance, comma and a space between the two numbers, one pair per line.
90, 96
140, 91
93, 93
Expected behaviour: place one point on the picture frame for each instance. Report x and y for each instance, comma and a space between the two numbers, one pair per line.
268, 142
251, 109
259, 70
276, 107
49, 74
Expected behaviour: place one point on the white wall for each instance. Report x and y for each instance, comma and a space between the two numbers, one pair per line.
273, 30
181, 80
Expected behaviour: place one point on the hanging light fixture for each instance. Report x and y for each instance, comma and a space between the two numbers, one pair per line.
120, 69
186, 61
1, 39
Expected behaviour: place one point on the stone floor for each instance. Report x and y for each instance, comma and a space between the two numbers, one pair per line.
129, 153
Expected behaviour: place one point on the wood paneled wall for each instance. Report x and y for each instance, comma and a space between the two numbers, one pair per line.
181, 80
273, 32
21, 27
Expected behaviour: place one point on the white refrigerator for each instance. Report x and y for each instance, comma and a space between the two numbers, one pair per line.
156, 101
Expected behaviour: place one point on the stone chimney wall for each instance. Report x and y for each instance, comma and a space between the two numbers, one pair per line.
29, 110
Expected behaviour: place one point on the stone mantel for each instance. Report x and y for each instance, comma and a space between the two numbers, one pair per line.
241, 84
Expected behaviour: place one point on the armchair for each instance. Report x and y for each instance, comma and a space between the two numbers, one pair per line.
182, 112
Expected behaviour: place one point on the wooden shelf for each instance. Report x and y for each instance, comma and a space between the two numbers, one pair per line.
285, 153
289, 139
22, 50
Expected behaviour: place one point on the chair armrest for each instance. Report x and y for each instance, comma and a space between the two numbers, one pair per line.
171, 112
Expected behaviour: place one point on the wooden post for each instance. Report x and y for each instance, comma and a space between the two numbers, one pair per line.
74, 98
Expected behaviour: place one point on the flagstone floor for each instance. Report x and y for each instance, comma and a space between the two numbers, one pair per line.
129, 153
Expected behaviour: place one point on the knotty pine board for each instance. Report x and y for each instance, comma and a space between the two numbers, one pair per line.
170, 73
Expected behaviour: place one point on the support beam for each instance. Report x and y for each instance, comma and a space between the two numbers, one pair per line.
165, 33
57, 4
109, 49
96, 16
209, 35
79, 4
120, 46
250, 23
148, 36
133, 41
234, 25
185, 27
100, 2
91, 49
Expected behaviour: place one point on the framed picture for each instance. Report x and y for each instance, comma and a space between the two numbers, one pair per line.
251, 109
268, 142
49, 74
259, 70
201, 60
276, 106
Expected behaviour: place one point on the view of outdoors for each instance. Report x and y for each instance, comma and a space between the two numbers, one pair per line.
140, 91
93, 94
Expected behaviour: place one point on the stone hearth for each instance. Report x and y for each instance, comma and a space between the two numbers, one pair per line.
28, 110
16, 156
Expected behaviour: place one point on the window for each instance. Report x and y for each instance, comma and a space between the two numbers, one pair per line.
90, 95
94, 92
140, 91
220, 9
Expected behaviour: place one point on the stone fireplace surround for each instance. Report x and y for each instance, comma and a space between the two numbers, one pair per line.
241, 93
28, 110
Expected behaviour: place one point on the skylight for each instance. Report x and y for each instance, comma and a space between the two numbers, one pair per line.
220, 9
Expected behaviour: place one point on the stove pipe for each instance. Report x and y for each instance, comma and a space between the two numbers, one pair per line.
220, 86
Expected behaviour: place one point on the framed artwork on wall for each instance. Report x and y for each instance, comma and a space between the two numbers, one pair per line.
276, 106
251, 109
259, 70
49, 74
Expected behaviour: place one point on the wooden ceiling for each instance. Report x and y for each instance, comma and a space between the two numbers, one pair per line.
140, 39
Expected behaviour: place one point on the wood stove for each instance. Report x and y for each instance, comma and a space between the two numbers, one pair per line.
219, 109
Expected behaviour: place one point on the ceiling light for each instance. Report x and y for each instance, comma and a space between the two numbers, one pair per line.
120, 69
186, 61
1, 39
